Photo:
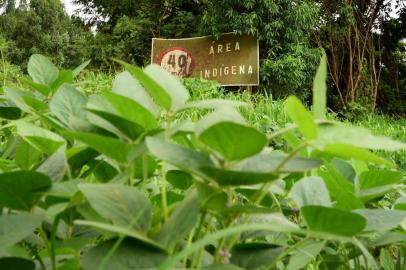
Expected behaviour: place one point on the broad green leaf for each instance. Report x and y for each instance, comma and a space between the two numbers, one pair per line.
386, 260
331, 221
178, 93
64, 76
26, 155
254, 255
348, 151
42, 70
55, 166
179, 179
181, 221
400, 204
129, 255
43, 89
301, 117
381, 219
342, 134
237, 178
374, 184
68, 106
131, 110
79, 68
16, 263
387, 238
378, 178
126, 85
225, 132
112, 148
123, 205
126, 127
14, 228
344, 168
310, 191
157, 92
181, 157
320, 90
22, 190
172, 261
104, 172
9, 111
25, 101
341, 190
304, 254
122, 231
43, 139
269, 163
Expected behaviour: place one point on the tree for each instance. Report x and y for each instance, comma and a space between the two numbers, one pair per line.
352, 35
42, 26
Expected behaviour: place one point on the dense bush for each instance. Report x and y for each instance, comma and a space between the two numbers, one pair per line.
128, 179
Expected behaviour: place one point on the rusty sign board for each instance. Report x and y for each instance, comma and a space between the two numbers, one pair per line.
232, 60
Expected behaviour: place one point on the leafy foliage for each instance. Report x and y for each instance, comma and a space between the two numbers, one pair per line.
123, 180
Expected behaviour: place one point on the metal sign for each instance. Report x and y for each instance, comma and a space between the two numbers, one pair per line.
232, 60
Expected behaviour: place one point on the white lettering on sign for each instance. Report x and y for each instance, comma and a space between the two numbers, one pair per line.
225, 71
228, 46
177, 61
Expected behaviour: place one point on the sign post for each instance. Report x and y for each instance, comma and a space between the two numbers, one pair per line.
232, 60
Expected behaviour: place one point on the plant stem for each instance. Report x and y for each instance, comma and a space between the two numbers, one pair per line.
53, 241
144, 172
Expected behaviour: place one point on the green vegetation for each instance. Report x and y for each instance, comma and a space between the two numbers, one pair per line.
141, 173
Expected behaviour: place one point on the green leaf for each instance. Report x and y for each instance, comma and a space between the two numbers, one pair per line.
122, 231
112, 148
43, 139
179, 179
42, 70
125, 85
331, 221
237, 178
178, 93
129, 255
181, 222
157, 92
26, 155
301, 117
348, 151
225, 132
14, 228
126, 127
79, 68
22, 190
342, 134
222, 267
16, 263
64, 76
131, 110
269, 163
123, 205
254, 255
341, 190
68, 105
378, 178
25, 101
41, 88
181, 157
9, 111
400, 204
55, 166
171, 262
310, 191
320, 90
374, 183
381, 219
304, 254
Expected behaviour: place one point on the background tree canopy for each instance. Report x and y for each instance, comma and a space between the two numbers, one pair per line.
363, 43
